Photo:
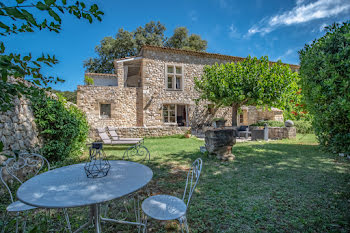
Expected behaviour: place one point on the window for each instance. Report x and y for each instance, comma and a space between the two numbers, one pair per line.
105, 110
169, 113
241, 118
174, 76
175, 114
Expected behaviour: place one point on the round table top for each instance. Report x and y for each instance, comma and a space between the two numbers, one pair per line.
69, 186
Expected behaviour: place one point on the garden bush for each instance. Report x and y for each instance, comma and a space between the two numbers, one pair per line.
63, 127
325, 79
269, 123
303, 127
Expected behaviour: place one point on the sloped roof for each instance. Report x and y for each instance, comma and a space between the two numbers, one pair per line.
200, 54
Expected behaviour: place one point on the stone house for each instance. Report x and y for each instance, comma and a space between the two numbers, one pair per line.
153, 94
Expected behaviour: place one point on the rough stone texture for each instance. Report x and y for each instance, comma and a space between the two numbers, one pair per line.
153, 131
282, 132
274, 133
142, 105
219, 142
122, 100
18, 130
289, 123
257, 134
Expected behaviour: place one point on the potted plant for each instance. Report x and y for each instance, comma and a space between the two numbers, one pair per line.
188, 133
219, 122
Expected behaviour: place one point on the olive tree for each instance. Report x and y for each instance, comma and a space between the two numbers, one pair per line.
249, 82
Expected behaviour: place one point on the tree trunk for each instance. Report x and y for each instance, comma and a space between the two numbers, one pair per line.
235, 107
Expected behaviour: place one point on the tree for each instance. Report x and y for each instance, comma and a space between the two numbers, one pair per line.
128, 43
181, 40
70, 96
325, 79
21, 18
252, 81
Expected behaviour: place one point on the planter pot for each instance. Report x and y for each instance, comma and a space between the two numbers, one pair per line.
187, 135
219, 142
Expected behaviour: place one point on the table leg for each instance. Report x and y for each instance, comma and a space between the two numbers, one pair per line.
97, 220
91, 219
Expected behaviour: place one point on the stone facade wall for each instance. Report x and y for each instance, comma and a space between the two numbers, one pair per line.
155, 93
122, 100
143, 106
18, 130
103, 79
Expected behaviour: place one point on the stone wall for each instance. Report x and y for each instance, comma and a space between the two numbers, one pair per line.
142, 106
133, 132
252, 115
282, 132
156, 95
18, 130
122, 100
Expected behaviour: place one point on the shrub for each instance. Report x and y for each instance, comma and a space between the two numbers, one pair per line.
325, 82
303, 127
63, 128
269, 123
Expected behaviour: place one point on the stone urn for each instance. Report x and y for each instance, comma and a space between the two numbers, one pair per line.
219, 142
219, 123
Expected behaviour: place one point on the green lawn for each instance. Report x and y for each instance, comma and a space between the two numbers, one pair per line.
278, 186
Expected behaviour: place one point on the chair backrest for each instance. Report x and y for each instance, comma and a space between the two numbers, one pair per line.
23, 167
192, 180
104, 136
112, 132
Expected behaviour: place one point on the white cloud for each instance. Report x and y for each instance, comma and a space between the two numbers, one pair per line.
233, 33
322, 27
286, 54
301, 13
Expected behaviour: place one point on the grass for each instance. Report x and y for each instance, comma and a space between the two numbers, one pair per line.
278, 186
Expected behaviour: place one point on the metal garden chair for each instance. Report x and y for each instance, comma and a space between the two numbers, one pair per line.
138, 154
166, 207
21, 168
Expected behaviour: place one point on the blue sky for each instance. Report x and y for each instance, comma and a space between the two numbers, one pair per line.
276, 28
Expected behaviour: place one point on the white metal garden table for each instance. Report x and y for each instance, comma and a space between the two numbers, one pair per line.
68, 187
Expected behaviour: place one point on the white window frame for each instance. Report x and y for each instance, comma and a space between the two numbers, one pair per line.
175, 123
174, 75
105, 116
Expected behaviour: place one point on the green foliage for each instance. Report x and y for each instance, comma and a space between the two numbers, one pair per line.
325, 74
304, 127
269, 123
1, 146
70, 96
20, 18
252, 82
88, 80
63, 127
129, 43
181, 40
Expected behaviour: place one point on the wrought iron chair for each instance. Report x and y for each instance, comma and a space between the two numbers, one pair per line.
166, 207
137, 153
20, 168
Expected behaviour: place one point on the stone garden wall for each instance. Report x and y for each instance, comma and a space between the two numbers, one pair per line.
18, 130
134, 132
